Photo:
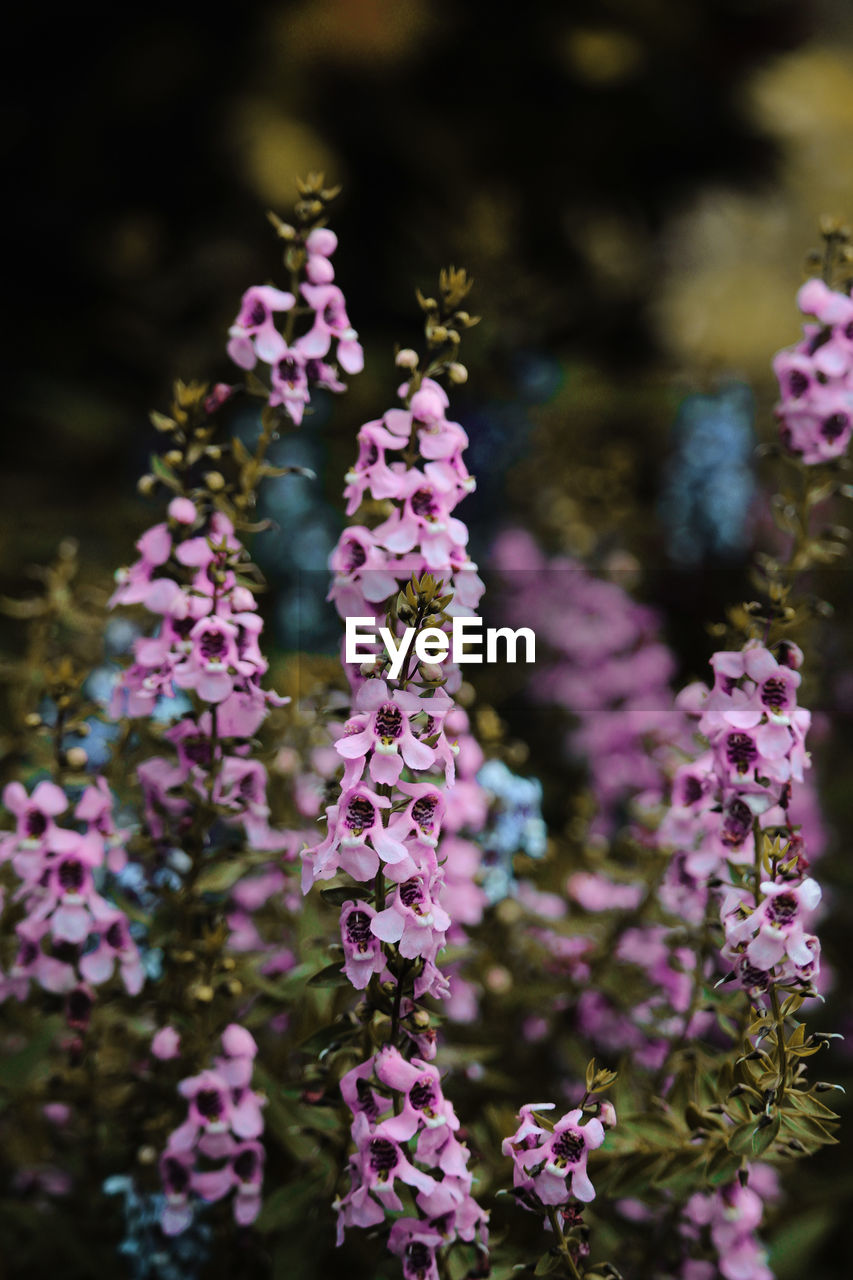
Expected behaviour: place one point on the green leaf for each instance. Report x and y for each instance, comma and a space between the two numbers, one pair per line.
328, 1038
766, 1135
340, 894
740, 1138
221, 876
722, 1166
331, 976
164, 473
548, 1263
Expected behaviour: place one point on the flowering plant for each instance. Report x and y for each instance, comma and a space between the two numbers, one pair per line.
286, 947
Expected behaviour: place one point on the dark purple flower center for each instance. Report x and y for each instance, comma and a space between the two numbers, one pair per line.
423, 811
71, 876
354, 556
782, 908
115, 935
741, 751
417, 1259
182, 626
27, 954
249, 786
258, 313
366, 1099
774, 694
209, 1103
213, 645
197, 750
332, 315
35, 823
691, 789
412, 895
389, 721
358, 930
288, 370
175, 1176
737, 824
848, 331
834, 426
245, 1165
797, 383
819, 340
568, 1147
383, 1156
422, 1096
753, 979
360, 814
424, 504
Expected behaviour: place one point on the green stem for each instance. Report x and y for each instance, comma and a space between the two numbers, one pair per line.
563, 1244
781, 1052
757, 839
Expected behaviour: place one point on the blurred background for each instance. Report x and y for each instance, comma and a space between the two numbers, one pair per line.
634, 185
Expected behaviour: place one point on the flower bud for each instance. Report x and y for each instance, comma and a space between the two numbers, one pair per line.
407, 359
214, 480
76, 758
457, 373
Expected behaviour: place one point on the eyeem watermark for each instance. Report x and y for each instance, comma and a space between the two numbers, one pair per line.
466, 643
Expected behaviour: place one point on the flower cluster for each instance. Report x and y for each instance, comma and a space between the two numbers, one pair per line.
770, 943
742, 784
70, 934
404, 1131
815, 409
608, 669
421, 535
224, 1124
730, 1217
207, 644
403, 723
549, 1161
298, 364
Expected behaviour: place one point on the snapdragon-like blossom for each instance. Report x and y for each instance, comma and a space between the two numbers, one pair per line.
815, 407
399, 747
298, 364
549, 1161
404, 1131
745, 782
207, 645
70, 934
224, 1123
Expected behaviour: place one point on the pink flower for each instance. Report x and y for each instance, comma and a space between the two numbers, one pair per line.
166, 1044
415, 1243
553, 1165
381, 726
362, 949
331, 321
254, 335
414, 920
35, 813
175, 1174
